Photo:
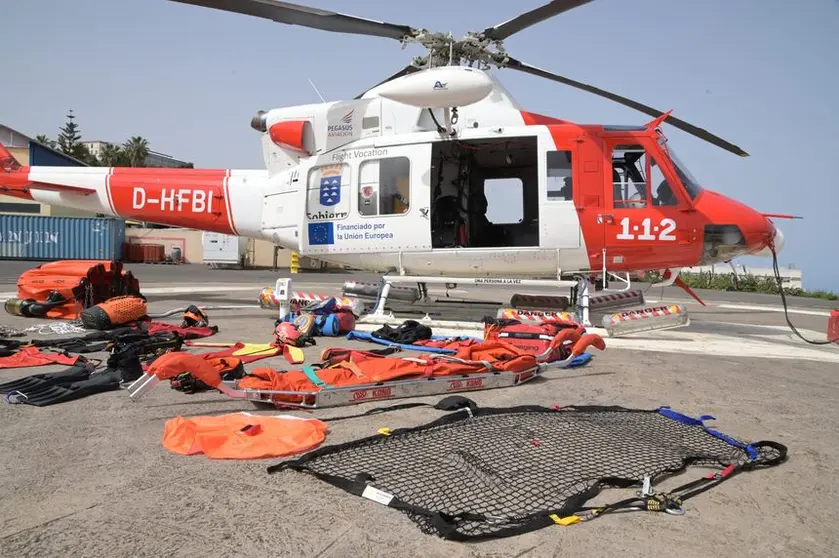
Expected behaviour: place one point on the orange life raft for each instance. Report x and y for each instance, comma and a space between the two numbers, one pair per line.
67, 287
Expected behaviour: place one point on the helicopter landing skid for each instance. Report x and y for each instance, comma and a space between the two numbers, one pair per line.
579, 288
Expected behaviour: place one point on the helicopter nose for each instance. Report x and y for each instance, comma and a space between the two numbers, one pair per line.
777, 242
736, 229
760, 233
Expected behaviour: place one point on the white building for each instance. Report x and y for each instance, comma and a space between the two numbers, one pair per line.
154, 159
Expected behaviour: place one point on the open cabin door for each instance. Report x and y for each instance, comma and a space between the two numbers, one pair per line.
368, 200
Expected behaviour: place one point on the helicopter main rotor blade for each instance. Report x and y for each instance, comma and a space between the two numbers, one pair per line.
525, 20
294, 14
409, 69
680, 124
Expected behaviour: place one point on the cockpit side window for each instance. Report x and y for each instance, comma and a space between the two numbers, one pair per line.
661, 190
687, 179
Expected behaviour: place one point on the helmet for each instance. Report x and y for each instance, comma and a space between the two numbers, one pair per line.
195, 317
287, 333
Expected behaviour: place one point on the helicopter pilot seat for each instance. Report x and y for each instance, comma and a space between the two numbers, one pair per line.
665, 195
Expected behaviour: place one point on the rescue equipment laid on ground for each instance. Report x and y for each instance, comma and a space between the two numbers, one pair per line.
436, 344
541, 468
116, 311
243, 435
229, 369
251, 352
349, 376
62, 289
532, 338
29, 356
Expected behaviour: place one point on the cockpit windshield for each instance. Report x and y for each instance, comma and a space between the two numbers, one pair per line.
691, 184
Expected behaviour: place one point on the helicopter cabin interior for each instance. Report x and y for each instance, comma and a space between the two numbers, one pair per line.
485, 193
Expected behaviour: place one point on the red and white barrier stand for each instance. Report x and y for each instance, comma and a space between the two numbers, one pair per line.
833, 326
534, 317
616, 300
536, 302
648, 319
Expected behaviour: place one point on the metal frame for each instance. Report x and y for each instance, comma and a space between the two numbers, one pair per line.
579, 288
349, 395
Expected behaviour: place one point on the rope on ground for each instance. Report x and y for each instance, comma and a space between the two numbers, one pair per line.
203, 308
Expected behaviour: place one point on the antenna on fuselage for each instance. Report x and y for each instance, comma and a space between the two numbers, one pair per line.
322, 100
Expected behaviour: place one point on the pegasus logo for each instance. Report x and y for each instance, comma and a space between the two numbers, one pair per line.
342, 129
439, 86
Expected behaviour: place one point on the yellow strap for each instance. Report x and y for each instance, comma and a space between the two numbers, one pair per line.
565, 521
384, 431
256, 349
295, 354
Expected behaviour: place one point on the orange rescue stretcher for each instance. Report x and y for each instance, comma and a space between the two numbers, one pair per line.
347, 376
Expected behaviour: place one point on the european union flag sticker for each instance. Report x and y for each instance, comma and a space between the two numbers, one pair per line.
321, 234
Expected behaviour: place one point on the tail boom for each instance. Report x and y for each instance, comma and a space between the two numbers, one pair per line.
218, 200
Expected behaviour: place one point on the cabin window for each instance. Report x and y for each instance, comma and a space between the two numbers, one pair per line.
629, 181
504, 200
559, 175
384, 187
328, 193
369, 122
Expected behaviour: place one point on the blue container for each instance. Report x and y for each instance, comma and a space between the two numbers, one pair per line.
36, 237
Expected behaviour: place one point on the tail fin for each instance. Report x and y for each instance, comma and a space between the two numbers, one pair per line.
8, 162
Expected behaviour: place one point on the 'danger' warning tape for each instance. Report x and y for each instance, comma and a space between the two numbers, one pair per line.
647, 319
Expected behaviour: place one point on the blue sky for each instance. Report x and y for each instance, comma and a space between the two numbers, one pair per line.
760, 73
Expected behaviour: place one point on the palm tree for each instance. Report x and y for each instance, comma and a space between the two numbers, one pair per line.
136, 151
113, 156
44, 140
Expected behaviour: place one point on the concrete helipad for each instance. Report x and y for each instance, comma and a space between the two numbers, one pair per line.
90, 477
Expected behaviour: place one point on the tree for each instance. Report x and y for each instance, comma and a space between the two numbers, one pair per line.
136, 150
69, 135
68, 141
113, 156
44, 140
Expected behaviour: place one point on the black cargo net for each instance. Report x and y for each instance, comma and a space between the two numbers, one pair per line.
500, 472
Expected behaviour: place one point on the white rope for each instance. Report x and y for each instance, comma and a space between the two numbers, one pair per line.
56, 328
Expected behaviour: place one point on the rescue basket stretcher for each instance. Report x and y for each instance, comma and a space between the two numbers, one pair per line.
485, 375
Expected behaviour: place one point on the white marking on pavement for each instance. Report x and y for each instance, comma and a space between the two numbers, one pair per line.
774, 309
756, 307
721, 345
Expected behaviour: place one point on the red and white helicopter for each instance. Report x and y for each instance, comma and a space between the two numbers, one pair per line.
396, 179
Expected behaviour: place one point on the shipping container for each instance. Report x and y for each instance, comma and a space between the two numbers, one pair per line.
35, 237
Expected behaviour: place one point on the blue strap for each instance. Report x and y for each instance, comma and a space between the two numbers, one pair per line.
684, 419
312, 375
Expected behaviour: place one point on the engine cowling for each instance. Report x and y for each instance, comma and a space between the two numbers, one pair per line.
297, 135
444, 87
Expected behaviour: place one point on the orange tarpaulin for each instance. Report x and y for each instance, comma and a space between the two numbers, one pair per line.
243, 435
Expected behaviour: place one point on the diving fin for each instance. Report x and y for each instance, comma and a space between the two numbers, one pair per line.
42, 390
39, 381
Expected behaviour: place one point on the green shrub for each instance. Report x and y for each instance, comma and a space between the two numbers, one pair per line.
740, 283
